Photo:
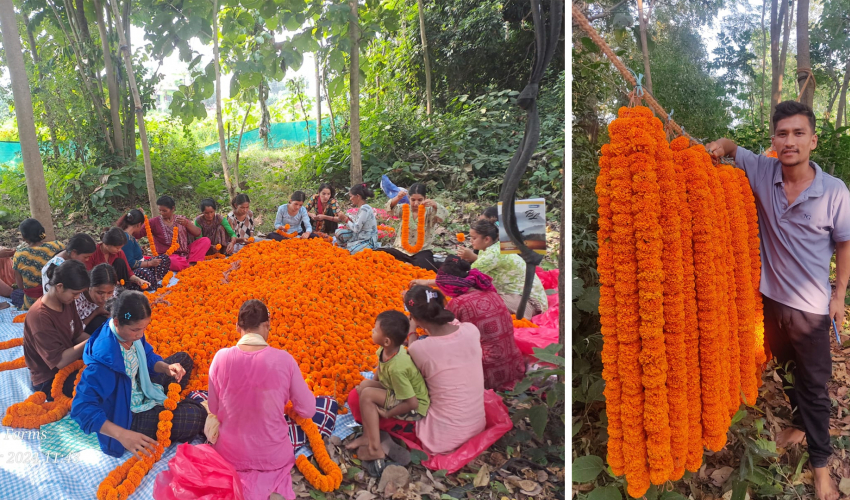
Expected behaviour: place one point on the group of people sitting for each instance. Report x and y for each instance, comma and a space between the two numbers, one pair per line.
84, 303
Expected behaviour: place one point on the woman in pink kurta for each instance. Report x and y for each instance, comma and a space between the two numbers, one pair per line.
450, 360
249, 386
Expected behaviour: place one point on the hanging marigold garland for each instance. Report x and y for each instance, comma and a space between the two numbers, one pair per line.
150, 237
608, 312
695, 449
122, 481
332, 477
676, 305
762, 350
405, 228
634, 452
175, 241
35, 411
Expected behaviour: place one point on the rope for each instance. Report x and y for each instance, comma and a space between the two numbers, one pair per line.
627, 73
809, 76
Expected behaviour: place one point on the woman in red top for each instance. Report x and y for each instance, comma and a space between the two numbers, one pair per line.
475, 300
109, 251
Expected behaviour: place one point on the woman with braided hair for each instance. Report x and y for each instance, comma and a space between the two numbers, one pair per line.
475, 300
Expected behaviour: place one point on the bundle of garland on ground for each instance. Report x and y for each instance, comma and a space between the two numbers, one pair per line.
679, 305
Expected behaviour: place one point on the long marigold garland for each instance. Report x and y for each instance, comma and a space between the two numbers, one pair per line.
635, 462
35, 411
150, 237
695, 449
608, 312
405, 229
678, 303
122, 481
332, 477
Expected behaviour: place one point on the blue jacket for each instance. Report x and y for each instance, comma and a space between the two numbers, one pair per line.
133, 251
104, 390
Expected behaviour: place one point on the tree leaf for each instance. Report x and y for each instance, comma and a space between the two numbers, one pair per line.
538, 416
605, 493
586, 468
417, 456
589, 300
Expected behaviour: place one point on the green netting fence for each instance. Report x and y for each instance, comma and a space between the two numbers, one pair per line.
10, 153
281, 135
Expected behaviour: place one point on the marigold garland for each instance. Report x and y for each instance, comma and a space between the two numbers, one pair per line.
678, 305
8, 344
333, 474
405, 229
283, 232
175, 241
34, 412
122, 481
695, 449
150, 237
608, 313
634, 449
20, 318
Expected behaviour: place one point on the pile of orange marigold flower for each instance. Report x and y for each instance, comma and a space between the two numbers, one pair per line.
322, 300
681, 315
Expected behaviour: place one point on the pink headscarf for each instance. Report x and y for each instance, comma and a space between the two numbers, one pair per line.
454, 286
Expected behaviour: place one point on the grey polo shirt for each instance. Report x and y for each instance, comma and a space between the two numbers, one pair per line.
797, 241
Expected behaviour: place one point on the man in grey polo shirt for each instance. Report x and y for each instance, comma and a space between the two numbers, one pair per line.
804, 217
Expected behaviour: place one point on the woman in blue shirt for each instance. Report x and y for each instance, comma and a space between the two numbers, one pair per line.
149, 269
295, 215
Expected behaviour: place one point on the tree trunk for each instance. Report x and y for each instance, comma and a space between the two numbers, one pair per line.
299, 93
318, 101
222, 145
783, 57
842, 100
354, 97
644, 46
330, 106
239, 143
777, 21
265, 117
426, 57
111, 81
805, 78
82, 22
84, 71
33, 168
143, 135
48, 115
763, 63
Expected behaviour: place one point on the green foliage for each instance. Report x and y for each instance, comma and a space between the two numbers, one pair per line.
464, 149
549, 395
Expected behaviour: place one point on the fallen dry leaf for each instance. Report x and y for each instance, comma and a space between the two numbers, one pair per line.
393, 478
720, 476
728, 495
482, 479
364, 495
542, 477
844, 486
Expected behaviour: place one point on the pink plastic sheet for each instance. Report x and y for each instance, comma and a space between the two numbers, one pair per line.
498, 423
197, 473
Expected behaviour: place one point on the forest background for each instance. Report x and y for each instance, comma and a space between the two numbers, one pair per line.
721, 66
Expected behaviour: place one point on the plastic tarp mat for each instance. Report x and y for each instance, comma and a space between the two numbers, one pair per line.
498, 423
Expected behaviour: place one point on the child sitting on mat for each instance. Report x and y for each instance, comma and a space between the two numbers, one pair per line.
398, 391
